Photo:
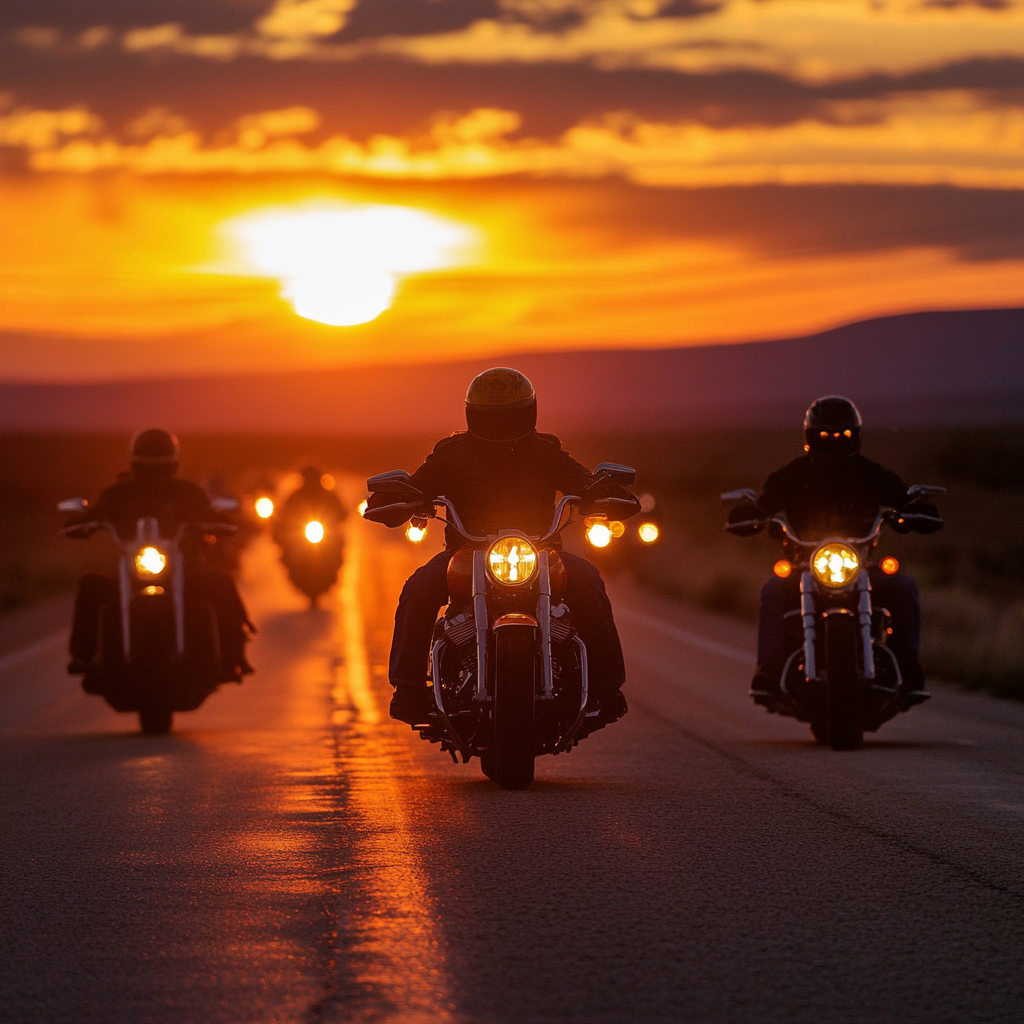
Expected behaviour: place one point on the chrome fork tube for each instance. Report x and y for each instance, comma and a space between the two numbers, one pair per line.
126, 604
544, 618
179, 602
480, 619
864, 611
810, 629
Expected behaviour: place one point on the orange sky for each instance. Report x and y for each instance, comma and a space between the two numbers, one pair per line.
660, 195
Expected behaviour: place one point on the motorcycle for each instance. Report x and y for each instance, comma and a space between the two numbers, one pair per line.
159, 650
841, 676
311, 553
508, 669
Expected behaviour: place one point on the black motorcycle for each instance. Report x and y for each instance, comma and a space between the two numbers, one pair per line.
841, 676
312, 552
159, 648
508, 669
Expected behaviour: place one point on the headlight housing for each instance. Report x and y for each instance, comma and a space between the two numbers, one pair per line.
150, 561
512, 560
835, 565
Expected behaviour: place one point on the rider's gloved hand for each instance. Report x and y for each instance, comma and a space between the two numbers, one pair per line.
750, 515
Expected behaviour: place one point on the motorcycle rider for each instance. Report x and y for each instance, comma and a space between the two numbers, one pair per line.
834, 491
150, 488
502, 472
311, 500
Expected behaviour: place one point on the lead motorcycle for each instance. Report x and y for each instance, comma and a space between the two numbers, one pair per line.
508, 669
841, 676
159, 649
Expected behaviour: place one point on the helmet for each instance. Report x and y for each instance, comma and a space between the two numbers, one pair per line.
311, 476
501, 405
155, 453
832, 427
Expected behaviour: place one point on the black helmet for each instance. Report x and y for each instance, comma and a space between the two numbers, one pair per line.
155, 453
832, 427
311, 477
501, 405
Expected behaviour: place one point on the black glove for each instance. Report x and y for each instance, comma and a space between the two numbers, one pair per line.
398, 511
745, 520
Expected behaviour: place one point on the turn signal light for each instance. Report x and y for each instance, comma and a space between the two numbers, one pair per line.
889, 565
783, 569
599, 534
264, 508
314, 532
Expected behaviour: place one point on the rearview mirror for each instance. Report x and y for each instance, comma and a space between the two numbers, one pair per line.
612, 473
73, 505
743, 494
920, 492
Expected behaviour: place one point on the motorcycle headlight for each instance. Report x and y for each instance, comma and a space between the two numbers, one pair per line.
314, 531
835, 565
150, 561
512, 560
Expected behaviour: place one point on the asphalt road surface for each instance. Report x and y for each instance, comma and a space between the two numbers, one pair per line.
290, 854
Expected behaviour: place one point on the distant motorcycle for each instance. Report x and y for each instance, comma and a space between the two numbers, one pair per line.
840, 676
311, 552
508, 669
159, 649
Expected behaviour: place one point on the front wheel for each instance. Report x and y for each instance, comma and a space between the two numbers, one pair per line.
515, 659
845, 715
156, 721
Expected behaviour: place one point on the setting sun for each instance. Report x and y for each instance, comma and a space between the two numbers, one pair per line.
339, 263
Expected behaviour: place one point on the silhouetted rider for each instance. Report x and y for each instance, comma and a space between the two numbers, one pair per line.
150, 488
498, 474
312, 500
834, 491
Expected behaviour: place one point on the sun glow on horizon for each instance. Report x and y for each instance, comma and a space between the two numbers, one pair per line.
340, 263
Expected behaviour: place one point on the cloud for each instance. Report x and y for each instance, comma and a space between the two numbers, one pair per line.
304, 19
951, 138
811, 41
808, 40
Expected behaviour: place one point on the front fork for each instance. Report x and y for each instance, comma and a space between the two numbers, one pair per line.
481, 619
808, 617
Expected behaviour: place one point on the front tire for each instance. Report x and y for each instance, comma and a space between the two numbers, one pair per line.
845, 713
156, 721
515, 660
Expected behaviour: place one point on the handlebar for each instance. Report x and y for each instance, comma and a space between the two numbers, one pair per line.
790, 535
452, 519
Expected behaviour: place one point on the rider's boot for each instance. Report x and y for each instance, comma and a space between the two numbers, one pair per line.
412, 704
912, 689
766, 686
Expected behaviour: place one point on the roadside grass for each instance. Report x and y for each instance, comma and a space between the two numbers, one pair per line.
971, 574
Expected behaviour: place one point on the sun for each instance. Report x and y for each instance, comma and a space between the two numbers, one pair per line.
340, 263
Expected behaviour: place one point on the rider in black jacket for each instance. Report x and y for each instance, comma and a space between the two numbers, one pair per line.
498, 473
151, 489
833, 491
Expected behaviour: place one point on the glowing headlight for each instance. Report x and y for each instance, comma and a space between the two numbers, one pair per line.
264, 507
314, 532
415, 533
835, 565
512, 560
150, 562
648, 533
599, 534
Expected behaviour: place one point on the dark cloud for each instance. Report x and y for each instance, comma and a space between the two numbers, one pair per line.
73, 16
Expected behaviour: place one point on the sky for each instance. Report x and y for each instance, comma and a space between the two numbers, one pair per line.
208, 186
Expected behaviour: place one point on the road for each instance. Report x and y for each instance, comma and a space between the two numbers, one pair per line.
290, 854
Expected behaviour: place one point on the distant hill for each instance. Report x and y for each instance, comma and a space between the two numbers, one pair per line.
915, 369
